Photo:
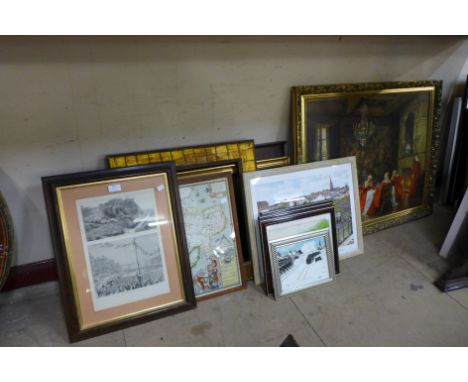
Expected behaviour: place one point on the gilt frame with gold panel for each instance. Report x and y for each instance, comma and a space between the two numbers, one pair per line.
190, 155
336, 109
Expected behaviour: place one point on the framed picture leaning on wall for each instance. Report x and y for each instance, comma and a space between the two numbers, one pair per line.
301, 251
393, 131
190, 155
210, 217
296, 222
120, 247
274, 189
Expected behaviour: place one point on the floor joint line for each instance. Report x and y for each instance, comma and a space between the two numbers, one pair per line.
308, 323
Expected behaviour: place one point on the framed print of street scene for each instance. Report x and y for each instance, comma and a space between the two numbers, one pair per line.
212, 230
301, 184
391, 128
278, 227
301, 262
120, 247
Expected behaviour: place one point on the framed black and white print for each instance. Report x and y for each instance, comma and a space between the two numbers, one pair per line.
120, 247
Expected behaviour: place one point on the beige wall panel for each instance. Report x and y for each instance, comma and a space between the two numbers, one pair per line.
66, 102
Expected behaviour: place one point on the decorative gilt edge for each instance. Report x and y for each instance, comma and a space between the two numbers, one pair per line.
263, 164
372, 228
299, 91
112, 158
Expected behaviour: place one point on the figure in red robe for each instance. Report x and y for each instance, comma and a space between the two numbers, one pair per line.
397, 182
363, 193
382, 201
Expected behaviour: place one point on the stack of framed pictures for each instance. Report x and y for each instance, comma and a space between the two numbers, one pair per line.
299, 247
274, 189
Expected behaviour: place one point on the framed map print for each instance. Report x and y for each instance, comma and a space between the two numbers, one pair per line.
393, 131
6, 241
212, 231
120, 247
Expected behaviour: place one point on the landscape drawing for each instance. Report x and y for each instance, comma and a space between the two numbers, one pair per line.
123, 248
126, 264
113, 215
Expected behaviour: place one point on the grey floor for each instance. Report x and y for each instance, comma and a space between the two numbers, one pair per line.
385, 297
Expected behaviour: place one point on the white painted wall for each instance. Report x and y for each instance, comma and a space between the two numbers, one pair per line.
66, 102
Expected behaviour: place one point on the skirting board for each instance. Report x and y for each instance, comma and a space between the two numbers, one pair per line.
43, 271
30, 274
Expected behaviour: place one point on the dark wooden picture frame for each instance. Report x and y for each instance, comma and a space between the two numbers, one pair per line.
219, 171
294, 214
52, 186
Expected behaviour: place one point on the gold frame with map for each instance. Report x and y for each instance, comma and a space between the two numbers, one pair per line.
212, 279
190, 155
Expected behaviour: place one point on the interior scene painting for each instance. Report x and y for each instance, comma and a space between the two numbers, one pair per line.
387, 133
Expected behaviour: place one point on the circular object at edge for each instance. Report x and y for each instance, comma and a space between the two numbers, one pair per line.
6, 241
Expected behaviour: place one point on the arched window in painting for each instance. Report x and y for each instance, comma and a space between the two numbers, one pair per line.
409, 133
322, 142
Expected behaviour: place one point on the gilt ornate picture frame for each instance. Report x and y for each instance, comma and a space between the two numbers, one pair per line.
190, 155
392, 128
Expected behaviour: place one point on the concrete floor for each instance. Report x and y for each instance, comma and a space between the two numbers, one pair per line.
382, 298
